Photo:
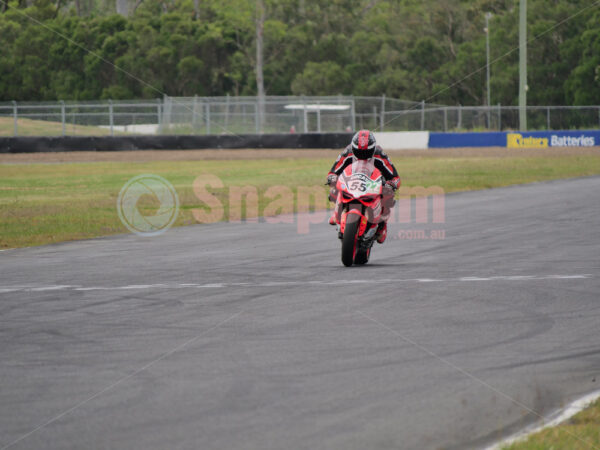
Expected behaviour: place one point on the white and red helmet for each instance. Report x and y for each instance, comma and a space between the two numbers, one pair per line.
363, 144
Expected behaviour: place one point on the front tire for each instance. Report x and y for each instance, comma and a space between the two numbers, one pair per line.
362, 256
350, 239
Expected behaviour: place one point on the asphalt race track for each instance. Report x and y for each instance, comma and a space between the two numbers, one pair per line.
253, 336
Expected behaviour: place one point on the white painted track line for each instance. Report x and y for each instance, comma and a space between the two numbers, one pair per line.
266, 284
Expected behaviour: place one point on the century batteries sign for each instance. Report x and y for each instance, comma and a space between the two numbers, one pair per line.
573, 141
516, 139
544, 139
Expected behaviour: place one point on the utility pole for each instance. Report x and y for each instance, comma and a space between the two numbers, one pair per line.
488, 16
523, 65
260, 84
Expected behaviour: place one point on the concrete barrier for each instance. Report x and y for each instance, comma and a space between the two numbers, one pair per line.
417, 140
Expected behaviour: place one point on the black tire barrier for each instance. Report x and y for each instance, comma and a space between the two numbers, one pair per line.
123, 143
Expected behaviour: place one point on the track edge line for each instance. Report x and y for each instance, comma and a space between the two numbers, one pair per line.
555, 418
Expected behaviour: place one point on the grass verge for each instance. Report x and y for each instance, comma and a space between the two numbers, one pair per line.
581, 432
47, 203
29, 127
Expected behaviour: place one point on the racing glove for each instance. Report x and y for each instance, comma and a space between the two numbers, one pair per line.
332, 179
393, 183
389, 189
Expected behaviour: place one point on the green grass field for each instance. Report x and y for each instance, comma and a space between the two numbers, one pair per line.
29, 127
47, 203
581, 432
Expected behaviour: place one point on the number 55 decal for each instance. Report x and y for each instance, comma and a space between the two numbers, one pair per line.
358, 185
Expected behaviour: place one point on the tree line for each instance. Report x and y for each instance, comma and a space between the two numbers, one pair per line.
410, 49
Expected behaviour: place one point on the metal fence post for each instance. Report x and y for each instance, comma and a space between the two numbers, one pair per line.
422, 115
111, 118
256, 123
499, 111
167, 113
159, 115
445, 119
353, 114
207, 116
319, 117
305, 115
382, 117
548, 118
459, 124
16, 118
227, 112
341, 116
194, 114
374, 116
62, 117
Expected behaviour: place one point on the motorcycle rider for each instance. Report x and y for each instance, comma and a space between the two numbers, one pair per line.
364, 147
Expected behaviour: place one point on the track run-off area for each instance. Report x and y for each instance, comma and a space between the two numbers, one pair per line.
252, 335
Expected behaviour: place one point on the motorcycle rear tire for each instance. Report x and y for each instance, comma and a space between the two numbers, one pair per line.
350, 239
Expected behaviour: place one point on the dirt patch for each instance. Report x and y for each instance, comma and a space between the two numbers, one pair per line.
243, 154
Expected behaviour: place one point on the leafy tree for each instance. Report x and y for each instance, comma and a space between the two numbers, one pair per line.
583, 83
412, 49
324, 78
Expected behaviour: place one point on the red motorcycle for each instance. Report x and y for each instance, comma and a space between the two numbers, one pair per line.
358, 210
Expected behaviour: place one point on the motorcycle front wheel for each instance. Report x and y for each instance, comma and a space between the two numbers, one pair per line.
362, 256
350, 239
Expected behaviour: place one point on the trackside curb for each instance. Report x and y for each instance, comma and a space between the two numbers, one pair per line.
556, 418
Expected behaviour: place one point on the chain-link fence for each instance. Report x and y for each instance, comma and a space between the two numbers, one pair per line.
210, 115
98, 118
495, 118
249, 115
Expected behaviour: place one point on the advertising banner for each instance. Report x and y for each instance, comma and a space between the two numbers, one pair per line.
543, 139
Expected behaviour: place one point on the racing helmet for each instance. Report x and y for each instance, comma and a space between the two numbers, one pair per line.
363, 144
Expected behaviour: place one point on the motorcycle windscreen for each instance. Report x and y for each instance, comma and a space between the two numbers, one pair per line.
364, 180
364, 166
